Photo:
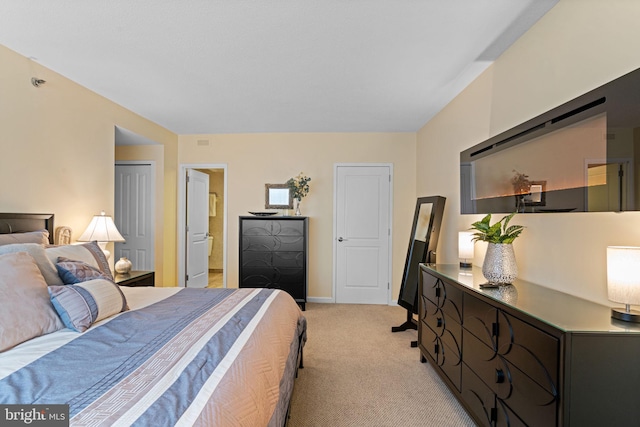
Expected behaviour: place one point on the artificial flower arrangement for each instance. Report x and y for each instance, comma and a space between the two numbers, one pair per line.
299, 186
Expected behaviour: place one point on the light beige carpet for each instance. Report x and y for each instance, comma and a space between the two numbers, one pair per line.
358, 373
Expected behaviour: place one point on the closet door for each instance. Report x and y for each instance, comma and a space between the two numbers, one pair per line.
134, 214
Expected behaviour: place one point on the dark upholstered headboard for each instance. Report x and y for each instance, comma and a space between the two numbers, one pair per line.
22, 222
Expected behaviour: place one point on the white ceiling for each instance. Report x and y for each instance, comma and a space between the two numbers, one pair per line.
241, 66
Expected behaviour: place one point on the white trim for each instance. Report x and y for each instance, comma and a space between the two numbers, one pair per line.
335, 214
182, 215
321, 300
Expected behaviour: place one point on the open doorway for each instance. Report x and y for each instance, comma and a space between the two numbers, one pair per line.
216, 227
217, 224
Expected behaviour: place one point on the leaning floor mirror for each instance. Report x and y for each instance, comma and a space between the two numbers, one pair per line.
422, 248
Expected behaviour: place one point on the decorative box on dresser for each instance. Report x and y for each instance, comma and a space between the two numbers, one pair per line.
273, 254
527, 355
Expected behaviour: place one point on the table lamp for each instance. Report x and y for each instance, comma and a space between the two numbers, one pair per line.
465, 248
103, 230
623, 281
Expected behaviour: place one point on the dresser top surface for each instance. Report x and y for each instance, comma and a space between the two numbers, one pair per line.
566, 312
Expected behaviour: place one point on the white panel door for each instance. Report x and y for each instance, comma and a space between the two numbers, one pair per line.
362, 234
134, 214
197, 229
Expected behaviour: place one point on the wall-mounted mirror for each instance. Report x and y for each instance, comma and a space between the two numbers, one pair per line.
277, 196
578, 157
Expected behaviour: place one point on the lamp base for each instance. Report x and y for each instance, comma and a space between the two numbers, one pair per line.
626, 316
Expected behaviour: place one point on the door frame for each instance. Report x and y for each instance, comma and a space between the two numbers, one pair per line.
335, 226
157, 258
182, 218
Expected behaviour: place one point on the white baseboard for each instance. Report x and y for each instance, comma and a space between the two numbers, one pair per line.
329, 300
321, 300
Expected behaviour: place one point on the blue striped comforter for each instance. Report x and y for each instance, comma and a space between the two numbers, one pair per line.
212, 357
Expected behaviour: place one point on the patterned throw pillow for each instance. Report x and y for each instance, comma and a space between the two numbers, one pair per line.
89, 253
79, 306
72, 271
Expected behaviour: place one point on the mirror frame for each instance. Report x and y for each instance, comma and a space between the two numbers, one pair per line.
420, 251
270, 204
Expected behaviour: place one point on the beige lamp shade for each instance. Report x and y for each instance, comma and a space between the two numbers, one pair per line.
465, 248
465, 245
101, 229
623, 274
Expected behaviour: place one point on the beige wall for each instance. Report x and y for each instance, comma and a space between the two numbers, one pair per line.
577, 46
57, 148
256, 159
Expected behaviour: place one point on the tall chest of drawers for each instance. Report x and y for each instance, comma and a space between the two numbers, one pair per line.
273, 254
526, 355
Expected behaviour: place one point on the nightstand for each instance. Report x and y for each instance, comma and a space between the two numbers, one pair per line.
135, 278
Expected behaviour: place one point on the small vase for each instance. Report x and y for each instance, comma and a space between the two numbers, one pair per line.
123, 266
499, 266
298, 213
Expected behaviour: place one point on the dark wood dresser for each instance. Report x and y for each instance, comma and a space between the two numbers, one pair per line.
526, 355
273, 254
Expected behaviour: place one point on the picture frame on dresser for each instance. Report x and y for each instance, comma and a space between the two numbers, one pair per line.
277, 196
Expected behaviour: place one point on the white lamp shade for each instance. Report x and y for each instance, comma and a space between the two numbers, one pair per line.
101, 229
465, 245
623, 274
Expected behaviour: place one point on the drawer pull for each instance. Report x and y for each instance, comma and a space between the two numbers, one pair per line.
438, 292
499, 376
439, 322
436, 349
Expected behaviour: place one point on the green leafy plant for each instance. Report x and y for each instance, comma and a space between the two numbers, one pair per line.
299, 186
500, 232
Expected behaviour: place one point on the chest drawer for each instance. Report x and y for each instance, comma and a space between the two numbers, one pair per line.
443, 295
480, 319
532, 351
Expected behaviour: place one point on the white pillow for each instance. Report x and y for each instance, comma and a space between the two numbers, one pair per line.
41, 237
47, 268
25, 309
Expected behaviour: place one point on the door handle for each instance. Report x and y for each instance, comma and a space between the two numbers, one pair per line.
340, 239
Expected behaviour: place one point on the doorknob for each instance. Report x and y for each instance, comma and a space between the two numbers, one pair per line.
340, 239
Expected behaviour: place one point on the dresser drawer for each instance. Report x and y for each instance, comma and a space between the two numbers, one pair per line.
450, 358
440, 323
290, 259
296, 290
531, 350
479, 398
533, 403
430, 287
428, 340
480, 319
444, 295
257, 277
484, 361
256, 259
273, 243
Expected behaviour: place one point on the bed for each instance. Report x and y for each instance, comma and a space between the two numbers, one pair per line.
137, 356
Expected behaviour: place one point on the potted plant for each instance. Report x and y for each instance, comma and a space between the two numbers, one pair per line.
299, 186
499, 266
